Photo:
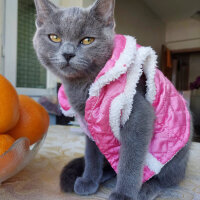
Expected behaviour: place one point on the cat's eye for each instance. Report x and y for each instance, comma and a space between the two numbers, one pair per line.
55, 38
87, 40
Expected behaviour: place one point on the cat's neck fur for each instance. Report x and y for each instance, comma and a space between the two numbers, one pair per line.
77, 91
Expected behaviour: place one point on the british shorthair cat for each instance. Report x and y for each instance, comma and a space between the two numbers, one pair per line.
80, 46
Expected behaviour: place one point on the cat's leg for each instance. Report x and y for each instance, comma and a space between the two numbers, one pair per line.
75, 168
135, 137
90, 180
170, 175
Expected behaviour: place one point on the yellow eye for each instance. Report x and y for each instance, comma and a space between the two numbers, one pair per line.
54, 38
87, 40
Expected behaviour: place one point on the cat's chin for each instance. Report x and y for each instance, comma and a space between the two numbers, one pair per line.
68, 72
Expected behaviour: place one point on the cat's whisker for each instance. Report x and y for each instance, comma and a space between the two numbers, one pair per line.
83, 62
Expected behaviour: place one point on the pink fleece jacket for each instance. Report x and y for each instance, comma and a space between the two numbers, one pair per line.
110, 101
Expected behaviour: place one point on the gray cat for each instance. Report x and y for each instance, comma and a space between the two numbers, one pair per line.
75, 44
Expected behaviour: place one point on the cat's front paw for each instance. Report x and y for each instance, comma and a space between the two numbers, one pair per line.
119, 196
85, 187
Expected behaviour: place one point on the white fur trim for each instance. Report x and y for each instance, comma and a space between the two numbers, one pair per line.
153, 164
124, 101
68, 113
115, 113
145, 59
118, 103
149, 65
133, 78
126, 57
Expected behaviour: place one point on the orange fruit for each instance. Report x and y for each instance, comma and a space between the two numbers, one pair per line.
33, 121
9, 105
12, 160
6, 160
6, 141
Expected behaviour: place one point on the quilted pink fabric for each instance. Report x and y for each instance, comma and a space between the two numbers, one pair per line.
172, 124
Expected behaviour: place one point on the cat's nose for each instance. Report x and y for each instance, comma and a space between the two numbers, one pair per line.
68, 56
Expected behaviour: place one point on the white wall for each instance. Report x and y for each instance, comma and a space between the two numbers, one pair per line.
134, 18
183, 34
1, 35
87, 3
68, 3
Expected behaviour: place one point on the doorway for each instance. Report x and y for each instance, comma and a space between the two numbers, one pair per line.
185, 75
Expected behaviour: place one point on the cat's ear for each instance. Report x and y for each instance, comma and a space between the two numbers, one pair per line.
44, 9
104, 10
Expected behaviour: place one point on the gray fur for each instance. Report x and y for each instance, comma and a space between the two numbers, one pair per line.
77, 74
91, 178
72, 25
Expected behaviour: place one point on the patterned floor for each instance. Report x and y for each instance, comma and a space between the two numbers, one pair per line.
40, 179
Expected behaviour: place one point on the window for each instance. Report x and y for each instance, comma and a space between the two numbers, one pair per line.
21, 66
30, 74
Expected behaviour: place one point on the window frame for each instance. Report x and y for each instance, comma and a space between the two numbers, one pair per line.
10, 52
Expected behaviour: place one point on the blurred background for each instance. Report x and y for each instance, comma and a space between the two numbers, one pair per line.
171, 27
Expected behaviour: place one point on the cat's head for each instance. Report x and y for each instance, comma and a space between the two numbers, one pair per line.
74, 42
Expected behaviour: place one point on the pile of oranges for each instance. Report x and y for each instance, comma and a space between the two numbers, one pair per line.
20, 116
